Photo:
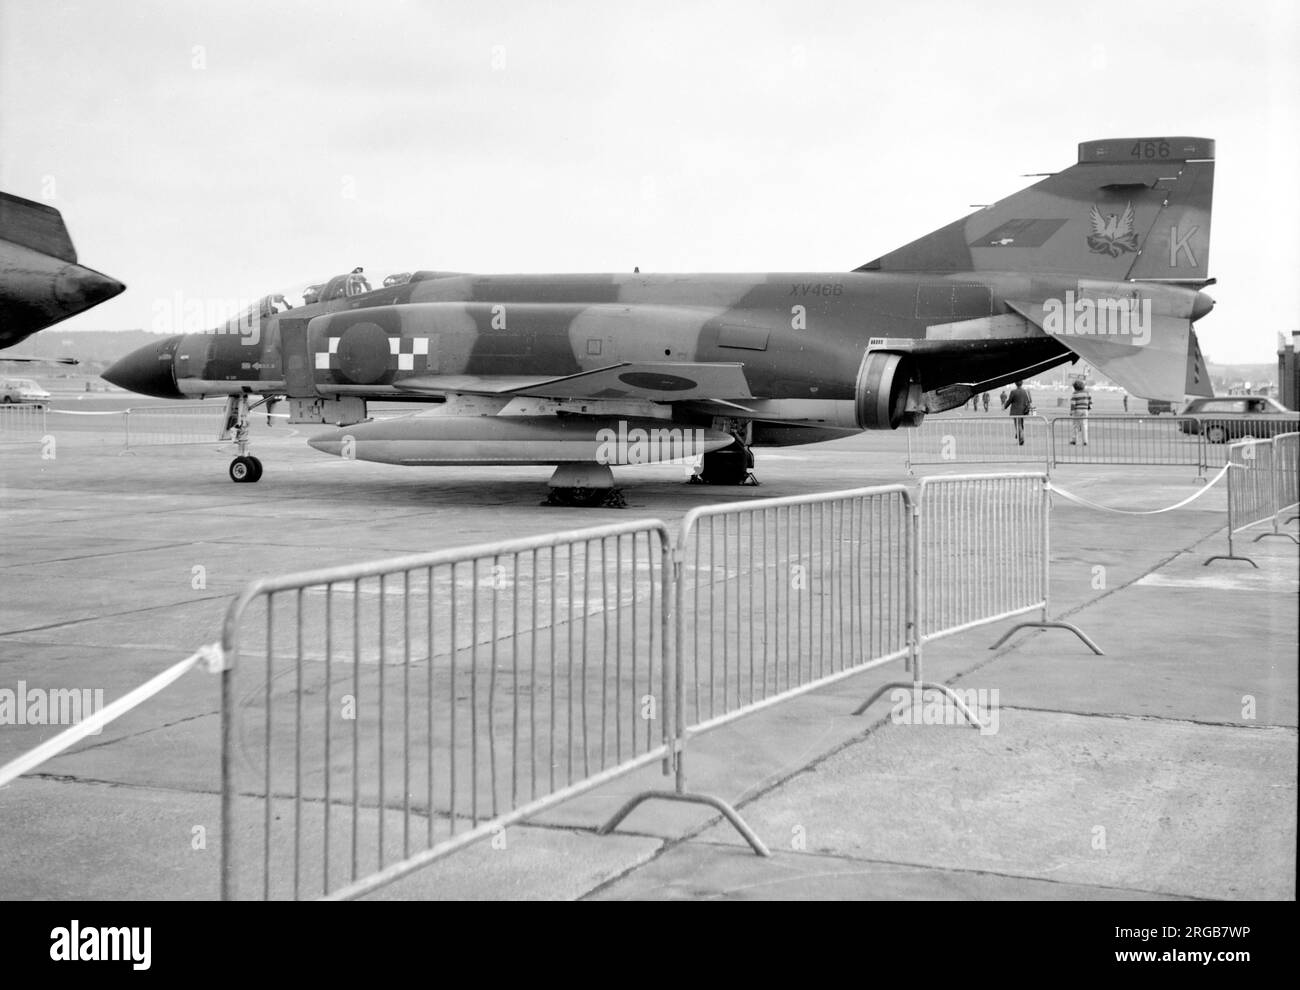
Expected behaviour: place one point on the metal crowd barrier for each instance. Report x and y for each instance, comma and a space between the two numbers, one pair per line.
377, 717
1262, 485
780, 596
1217, 435
22, 421
982, 555
1192, 441
387, 714
1286, 461
1158, 440
979, 440
151, 426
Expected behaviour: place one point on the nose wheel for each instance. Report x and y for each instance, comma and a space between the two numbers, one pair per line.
245, 469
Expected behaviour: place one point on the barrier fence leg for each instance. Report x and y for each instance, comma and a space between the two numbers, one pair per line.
1285, 536
918, 686
681, 794
1050, 625
1230, 555
717, 804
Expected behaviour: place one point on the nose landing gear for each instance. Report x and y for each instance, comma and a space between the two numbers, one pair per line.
244, 469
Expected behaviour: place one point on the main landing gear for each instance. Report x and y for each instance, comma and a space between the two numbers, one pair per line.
244, 469
585, 486
732, 465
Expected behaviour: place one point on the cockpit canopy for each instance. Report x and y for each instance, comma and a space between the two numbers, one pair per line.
354, 283
357, 282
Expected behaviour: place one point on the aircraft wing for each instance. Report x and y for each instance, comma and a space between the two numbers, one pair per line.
660, 382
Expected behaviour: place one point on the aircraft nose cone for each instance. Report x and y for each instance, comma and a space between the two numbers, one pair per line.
82, 288
147, 370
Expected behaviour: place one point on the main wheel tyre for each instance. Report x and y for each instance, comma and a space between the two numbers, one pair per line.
1215, 434
257, 469
241, 469
729, 466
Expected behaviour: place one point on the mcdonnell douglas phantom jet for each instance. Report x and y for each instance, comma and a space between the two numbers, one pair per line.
40, 280
1105, 260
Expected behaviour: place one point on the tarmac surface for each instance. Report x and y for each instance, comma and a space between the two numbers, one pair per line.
1164, 769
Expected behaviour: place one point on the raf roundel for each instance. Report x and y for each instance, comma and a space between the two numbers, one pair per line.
363, 353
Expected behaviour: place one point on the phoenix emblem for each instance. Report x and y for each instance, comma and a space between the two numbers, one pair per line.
1111, 234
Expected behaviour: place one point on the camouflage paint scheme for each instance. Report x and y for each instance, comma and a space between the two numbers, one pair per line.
794, 357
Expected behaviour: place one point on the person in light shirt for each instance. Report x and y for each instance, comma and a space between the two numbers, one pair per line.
1080, 406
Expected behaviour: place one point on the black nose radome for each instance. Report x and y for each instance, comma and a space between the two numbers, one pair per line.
78, 288
148, 370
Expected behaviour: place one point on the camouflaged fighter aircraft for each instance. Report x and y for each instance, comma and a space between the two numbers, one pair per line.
1105, 260
40, 280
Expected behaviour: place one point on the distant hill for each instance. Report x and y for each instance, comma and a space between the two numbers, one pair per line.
95, 349
1253, 373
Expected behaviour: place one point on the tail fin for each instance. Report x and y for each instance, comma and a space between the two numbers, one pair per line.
35, 226
1131, 208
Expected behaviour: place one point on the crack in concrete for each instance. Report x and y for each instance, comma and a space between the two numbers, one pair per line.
868, 861
111, 615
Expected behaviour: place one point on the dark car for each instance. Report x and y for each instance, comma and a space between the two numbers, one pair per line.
1231, 417
1157, 406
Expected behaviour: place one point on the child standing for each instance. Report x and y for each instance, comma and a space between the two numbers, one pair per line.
1080, 404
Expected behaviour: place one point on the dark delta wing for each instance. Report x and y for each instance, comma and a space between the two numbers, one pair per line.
41, 282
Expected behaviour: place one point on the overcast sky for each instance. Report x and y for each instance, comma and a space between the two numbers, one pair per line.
229, 148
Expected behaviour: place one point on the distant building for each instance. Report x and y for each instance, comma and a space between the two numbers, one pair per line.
1288, 371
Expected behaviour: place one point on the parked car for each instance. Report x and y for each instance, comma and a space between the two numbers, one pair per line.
1231, 417
1157, 406
22, 390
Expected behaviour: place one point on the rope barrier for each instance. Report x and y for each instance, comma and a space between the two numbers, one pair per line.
210, 657
1079, 500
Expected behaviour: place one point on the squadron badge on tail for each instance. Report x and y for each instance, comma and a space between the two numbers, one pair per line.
1112, 235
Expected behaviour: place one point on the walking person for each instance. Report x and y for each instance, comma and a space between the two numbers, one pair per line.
986, 402
1080, 406
1018, 404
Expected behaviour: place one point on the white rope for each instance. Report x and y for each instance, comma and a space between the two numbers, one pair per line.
209, 656
86, 412
1139, 512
